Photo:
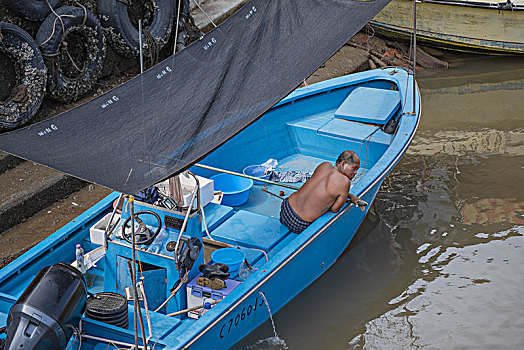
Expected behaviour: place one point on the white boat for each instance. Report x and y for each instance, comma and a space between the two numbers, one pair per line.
462, 25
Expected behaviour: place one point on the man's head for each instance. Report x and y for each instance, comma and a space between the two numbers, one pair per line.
348, 163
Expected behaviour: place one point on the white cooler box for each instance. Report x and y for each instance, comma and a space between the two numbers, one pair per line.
96, 232
188, 186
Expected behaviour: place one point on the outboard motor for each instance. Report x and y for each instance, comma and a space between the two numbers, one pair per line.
48, 311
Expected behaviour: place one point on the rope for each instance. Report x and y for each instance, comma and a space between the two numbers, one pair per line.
140, 265
150, 328
73, 62
153, 46
193, 31
151, 42
59, 18
190, 30
78, 335
204, 12
85, 13
173, 293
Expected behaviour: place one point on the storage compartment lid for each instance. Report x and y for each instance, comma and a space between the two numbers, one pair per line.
369, 105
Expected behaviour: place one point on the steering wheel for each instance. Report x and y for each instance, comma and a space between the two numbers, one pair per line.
143, 235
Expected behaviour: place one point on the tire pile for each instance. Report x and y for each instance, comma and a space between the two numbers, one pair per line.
65, 56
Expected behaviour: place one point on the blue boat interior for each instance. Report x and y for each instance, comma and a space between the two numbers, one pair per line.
301, 132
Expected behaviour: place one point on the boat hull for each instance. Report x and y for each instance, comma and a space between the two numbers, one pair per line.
459, 26
294, 262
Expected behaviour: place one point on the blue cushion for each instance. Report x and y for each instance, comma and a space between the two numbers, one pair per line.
251, 230
369, 105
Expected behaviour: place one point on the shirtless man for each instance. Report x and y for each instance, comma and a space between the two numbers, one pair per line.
327, 189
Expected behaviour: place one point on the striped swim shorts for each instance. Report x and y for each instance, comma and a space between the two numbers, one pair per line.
291, 219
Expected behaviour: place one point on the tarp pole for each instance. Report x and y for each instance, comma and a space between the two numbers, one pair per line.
140, 44
414, 51
246, 176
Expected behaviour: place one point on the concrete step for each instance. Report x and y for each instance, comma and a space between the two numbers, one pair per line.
28, 188
20, 238
216, 11
8, 161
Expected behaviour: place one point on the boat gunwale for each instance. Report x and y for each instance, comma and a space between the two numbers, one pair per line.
475, 4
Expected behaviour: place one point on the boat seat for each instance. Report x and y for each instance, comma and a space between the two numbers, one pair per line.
251, 230
369, 105
354, 131
323, 136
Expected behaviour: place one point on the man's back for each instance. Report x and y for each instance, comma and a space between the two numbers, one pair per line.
318, 195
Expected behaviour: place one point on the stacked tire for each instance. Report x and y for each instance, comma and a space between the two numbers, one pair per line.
33, 10
122, 34
66, 58
27, 86
73, 44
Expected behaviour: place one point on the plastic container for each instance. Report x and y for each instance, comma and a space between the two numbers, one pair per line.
80, 264
96, 233
257, 171
160, 241
188, 187
232, 257
234, 188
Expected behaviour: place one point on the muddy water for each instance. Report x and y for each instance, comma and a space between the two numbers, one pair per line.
440, 265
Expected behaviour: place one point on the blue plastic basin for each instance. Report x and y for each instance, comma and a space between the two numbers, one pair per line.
232, 257
257, 171
235, 188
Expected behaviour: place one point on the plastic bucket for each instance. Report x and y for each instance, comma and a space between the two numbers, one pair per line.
257, 171
235, 188
232, 257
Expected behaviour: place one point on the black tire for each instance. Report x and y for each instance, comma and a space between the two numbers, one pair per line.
33, 10
29, 76
74, 60
123, 36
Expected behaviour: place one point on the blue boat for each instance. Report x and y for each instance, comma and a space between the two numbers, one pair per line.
311, 125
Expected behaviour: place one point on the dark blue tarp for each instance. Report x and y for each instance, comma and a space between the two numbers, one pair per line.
166, 119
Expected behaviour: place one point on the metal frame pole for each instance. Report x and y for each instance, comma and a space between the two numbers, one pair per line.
133, 268
120, 198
